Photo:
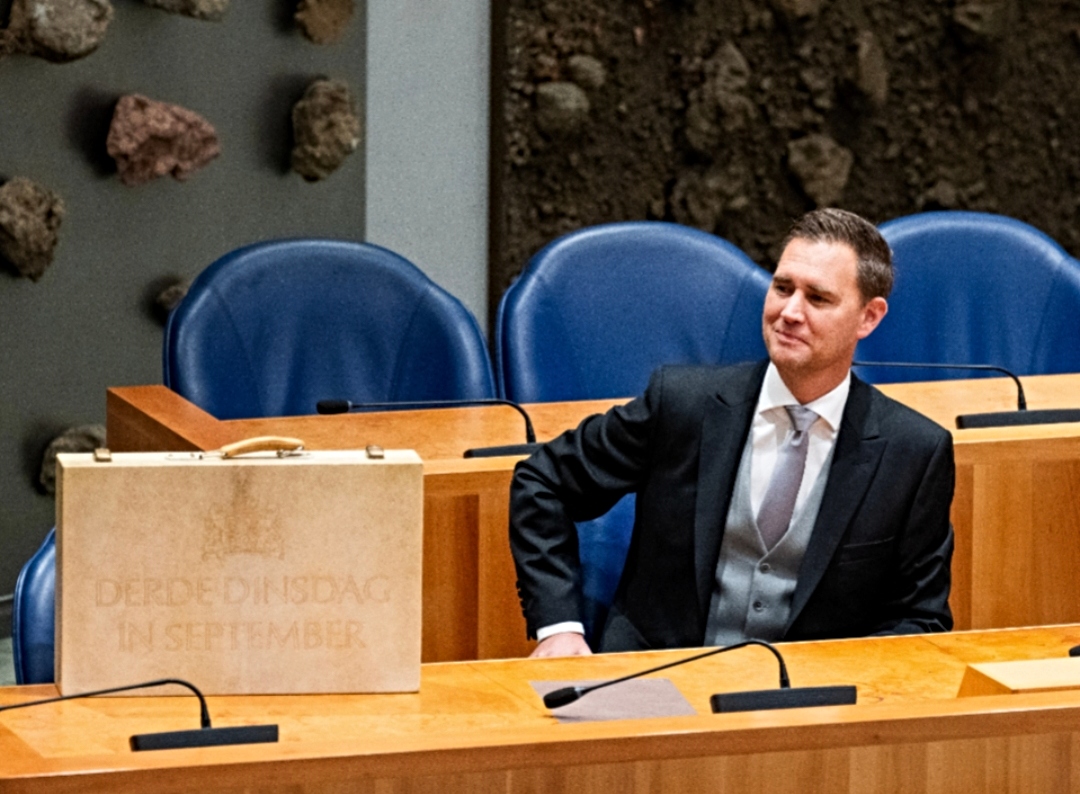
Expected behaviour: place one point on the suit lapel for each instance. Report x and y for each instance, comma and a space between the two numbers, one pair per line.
855, 460
724, 428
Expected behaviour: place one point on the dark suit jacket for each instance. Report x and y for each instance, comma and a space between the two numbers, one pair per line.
877, 562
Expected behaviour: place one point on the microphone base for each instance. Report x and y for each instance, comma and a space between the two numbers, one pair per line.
509, 449
205, 737
1048, 416
764, 699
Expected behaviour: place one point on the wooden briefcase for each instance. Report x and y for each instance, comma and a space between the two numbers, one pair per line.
286, 572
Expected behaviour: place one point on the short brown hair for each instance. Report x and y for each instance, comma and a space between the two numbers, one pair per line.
875, 267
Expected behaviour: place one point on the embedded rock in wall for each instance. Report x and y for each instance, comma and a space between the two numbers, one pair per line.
702, 200
983, 22
211, 10
170, 297
30, 217
162, 295
170, 292
57, 30
822, 166
873, 72
719, 105
326, 129
562, 108
941, 195
728, 71
798, 9
587, 71
148, 139
83, 438
324, 21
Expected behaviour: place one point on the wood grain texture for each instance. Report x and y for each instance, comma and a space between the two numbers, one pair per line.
153, 419
142, 418
963, 530
478, 726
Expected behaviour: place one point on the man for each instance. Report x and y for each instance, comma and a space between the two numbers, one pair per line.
780, 500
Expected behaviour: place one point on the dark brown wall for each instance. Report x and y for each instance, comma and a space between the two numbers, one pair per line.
710, 109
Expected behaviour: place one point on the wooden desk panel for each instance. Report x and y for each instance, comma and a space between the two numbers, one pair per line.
141, 418
471, 609
1016, 511
478, 727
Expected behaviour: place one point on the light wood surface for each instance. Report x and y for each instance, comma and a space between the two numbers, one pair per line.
479, 727
1027, 675
141, 418
1016, 511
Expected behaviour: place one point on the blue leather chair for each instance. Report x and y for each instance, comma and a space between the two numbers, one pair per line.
976, 288
596, 311
33, 620
272, 328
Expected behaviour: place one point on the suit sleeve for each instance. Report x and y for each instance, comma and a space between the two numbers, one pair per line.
576, 477
921, 602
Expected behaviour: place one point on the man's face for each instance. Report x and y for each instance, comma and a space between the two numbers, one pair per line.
814, 313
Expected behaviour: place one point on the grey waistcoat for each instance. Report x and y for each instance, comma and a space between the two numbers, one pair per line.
752, 599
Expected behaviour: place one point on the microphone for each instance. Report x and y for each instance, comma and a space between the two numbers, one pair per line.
783, 698
205, 736
1021, 416
345, 406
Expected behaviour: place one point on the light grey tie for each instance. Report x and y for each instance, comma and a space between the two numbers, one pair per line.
779, 503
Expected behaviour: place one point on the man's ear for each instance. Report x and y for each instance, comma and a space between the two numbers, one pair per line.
873, 313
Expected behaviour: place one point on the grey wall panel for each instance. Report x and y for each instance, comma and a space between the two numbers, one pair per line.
427, 155
84, 326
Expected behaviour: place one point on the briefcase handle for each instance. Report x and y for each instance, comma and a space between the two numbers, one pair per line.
282, 445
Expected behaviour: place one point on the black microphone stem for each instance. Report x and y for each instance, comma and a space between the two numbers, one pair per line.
330, 405
785, 683
204, 712
205, 736
1021, 400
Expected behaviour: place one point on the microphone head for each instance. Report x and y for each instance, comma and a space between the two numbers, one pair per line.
332, 406
562, 697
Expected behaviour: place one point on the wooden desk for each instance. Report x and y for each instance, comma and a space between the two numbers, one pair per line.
1016, 511
470, 609
478, 727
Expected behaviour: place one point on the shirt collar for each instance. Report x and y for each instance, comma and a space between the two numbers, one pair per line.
829, 406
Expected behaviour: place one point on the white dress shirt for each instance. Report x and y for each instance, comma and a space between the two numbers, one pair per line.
770, 427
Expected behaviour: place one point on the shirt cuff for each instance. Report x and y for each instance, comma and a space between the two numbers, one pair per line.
570, 626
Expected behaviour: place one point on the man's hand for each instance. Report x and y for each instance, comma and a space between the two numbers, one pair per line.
567, 643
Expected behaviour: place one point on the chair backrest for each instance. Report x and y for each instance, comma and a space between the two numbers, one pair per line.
33, 619
976, 288
272, 328
596, 311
